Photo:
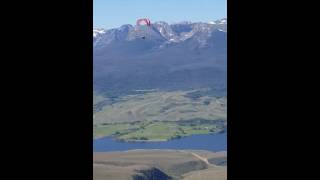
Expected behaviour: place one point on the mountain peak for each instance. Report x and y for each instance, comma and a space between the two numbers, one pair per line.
161, 32
125, 26
182, 22
177, 56
98, 31
221, 21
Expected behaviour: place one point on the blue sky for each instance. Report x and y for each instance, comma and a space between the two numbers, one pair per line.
114, 13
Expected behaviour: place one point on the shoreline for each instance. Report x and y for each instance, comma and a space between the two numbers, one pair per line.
164, 150
121, 140
153, 140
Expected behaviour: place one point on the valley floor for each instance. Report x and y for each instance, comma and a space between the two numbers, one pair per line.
156, 131
159, 116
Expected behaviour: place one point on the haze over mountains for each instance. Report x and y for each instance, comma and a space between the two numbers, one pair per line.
181, 56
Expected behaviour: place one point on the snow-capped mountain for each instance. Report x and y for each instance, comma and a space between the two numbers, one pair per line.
165, 30
98, 32
220, 21
183, 55
160, 31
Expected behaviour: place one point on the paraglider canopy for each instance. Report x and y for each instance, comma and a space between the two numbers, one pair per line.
143, 27
143, 21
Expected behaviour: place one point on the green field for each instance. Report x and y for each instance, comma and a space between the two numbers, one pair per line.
154, 131
158, 116
112, 129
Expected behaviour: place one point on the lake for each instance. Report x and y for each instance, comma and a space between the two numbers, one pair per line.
211, 142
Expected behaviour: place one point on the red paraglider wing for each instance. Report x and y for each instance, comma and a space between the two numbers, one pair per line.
143, 21
143, 27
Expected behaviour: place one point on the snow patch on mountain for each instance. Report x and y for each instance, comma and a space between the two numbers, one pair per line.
97, 32
161, 32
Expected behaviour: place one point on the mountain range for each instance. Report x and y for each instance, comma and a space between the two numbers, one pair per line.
179, 56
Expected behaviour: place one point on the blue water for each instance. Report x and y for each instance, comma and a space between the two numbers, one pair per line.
215, 142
